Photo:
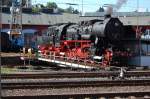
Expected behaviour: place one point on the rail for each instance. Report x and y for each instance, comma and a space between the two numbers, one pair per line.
107, 95
71, 83
75, 75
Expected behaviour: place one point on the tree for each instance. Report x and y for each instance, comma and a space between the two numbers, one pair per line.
61, 10
101, 9
51, 5
76, 11
9, 2
70, 9
35, 9
42, 6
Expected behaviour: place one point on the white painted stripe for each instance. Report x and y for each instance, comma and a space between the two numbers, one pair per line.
66, 64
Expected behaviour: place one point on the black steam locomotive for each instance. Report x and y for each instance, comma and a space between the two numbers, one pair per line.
109, 33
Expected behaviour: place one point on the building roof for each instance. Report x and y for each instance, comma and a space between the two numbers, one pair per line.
127, 18
121, 14
42, 18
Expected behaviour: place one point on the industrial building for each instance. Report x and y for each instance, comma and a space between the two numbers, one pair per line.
38, 22
42, 20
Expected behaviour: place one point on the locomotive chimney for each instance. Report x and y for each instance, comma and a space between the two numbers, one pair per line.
108, 12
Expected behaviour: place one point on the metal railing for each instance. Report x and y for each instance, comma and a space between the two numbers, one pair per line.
70, 61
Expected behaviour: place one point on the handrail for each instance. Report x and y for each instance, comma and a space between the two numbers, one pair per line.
85, 62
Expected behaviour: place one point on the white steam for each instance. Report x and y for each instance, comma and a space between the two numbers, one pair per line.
120, 3
109, 10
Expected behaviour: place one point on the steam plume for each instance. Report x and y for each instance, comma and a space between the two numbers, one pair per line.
120, 3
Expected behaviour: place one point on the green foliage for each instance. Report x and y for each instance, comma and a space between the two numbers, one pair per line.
61, 10
70, 9
42, 6
35, 9
51, 5
101, 9
76, 11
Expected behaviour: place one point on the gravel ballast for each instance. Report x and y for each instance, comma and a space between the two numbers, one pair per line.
78, 90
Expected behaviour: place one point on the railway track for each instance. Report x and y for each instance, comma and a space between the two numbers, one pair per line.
74, 75
71, 83
120, 95
61, 81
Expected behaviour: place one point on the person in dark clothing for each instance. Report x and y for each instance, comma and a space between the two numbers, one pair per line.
78, 35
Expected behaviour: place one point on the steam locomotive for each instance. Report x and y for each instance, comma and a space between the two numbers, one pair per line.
98, 40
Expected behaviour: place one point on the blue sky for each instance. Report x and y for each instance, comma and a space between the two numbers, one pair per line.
93, 5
